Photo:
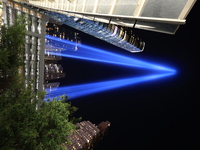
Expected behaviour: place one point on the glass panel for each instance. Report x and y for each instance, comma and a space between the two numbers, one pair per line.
16, 6
156, 26
39, 41
39, 25
33, 39
125, 7
89, 5
27, 38
33, 25
79, 5
104, 6
71, 7
25, 10
163, 8
127, 10
19, 12
126, 2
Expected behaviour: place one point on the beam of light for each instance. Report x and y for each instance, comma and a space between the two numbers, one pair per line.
94, 54
81, 90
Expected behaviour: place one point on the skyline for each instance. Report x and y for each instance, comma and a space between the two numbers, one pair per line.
164, 113
92, 54
159, 114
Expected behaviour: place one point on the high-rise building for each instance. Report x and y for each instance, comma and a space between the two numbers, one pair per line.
115, 34
52, 86
53, 70
160, 16
88, 135
114, 20
55, 28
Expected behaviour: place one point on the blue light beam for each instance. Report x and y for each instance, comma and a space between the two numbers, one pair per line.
81, 90
94, 54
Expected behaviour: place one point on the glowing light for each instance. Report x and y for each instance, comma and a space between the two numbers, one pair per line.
94, 54
75, 91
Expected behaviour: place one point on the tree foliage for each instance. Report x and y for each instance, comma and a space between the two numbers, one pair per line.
11, 51
22, 126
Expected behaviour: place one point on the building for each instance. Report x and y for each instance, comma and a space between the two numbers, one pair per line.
88, 135
40, 66
149, 14
1, 13
51, 86
34, 40
56, 29
114, 34
108, 21
53, 70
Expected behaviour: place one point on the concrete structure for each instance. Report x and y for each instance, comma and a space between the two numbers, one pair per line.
88, 135
160, 16
36, 49
34, 40
111, 20
115, 34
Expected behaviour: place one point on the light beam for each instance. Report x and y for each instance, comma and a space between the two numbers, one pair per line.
94, 54
76, 91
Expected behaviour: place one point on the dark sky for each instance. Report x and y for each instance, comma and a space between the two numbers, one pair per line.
159, 114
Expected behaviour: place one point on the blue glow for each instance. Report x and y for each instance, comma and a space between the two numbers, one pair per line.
76, 91
93, 54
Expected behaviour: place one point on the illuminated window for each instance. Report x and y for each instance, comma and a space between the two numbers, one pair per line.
32, 12
39, 26
25, 10
16, 6
33, 25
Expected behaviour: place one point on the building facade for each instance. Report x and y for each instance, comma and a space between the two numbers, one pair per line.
40, 66
88, 135
53, 70
114, 34
34, 40
110, 20
160, 16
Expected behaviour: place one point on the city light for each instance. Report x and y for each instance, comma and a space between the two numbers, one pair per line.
75, 91
94, 54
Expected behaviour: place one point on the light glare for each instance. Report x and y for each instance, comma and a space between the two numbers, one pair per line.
93, 54
76, 91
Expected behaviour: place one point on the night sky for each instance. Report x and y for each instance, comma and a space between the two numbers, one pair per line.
158, 114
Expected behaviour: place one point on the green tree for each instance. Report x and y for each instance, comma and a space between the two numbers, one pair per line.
11, 51
22, 126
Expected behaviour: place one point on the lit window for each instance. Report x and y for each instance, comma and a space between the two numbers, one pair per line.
39, 27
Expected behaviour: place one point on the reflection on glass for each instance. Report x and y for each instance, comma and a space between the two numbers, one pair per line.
103, 31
